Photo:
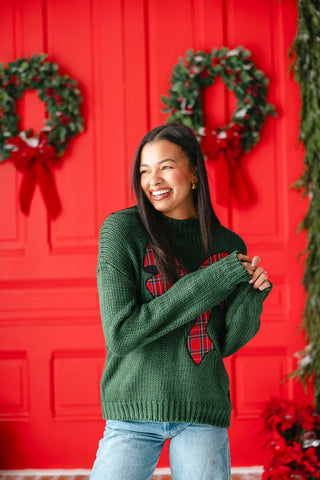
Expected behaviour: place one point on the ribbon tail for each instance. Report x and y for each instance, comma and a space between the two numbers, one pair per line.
241, 185
27, 188
49, 190
198, 341
222, 179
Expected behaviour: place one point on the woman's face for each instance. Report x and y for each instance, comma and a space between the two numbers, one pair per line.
166, 178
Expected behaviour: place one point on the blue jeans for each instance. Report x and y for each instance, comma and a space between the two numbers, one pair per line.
131, 450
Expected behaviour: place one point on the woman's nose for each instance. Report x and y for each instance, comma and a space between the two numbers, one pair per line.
155, 178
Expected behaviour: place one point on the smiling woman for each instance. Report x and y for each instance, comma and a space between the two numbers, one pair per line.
177, 294
167, 178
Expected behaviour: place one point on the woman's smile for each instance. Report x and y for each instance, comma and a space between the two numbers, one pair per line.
160, 194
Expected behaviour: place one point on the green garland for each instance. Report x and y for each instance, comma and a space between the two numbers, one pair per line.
59, 93
307, 73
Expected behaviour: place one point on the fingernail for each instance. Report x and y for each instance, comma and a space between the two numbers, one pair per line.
251, 281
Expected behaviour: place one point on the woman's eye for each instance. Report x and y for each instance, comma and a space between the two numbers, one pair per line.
143, 171
166, 167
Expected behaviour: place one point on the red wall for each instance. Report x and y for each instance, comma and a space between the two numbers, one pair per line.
122, 54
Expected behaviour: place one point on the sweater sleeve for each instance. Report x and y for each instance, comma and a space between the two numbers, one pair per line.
128, 324
244, 307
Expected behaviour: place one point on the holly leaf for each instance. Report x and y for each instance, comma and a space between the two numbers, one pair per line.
189, 54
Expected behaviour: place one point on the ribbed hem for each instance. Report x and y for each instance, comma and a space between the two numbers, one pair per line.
172, 411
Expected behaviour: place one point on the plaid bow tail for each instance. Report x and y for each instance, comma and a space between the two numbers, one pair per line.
198, 341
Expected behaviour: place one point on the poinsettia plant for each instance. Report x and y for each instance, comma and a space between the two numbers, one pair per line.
291, 434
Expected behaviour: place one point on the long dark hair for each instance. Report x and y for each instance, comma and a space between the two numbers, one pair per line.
158, 228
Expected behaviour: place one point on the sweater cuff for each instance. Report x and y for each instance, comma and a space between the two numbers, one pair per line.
234, 270
230, 271
264, 293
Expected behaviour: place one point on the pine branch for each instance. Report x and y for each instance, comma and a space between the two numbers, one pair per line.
307, 73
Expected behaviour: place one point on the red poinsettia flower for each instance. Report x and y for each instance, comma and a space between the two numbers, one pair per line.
15, 80
293, 453
50, 92
311, 461
287, 419
64, 120
278, 443
309, 419
278, 472
12, 80
204, 72
216, 61
58, 99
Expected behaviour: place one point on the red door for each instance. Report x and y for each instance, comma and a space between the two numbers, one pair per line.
122, 54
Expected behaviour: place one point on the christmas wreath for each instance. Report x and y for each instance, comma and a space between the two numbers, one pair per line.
184, 104
35, 154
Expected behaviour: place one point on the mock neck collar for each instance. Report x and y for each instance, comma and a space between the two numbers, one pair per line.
188, 226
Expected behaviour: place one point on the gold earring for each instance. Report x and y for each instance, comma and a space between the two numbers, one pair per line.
193, 186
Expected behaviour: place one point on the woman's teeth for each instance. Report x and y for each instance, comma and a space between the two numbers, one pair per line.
159, 192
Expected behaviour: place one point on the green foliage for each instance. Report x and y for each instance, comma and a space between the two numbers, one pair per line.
59, 93
199, 70
307, 73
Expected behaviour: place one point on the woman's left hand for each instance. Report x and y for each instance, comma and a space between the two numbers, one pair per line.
259, 277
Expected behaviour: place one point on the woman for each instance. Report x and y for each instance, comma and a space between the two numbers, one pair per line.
177, 294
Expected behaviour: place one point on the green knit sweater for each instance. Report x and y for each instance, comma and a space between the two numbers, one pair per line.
150, 373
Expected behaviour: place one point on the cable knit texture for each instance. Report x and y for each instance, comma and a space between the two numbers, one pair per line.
149, 373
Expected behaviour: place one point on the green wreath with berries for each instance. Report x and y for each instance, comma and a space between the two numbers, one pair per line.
184, 105
35, 154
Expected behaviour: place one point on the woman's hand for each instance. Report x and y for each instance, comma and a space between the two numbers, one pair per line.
259, 277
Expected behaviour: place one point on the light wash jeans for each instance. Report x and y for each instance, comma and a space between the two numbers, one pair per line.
131, 450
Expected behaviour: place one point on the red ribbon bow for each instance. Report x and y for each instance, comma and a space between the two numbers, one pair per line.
227, 145
36, 163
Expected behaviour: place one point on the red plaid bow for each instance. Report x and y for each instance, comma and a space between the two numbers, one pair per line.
198, 341
35, 163
225, 150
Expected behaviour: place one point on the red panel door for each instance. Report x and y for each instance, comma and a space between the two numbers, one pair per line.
122, 54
